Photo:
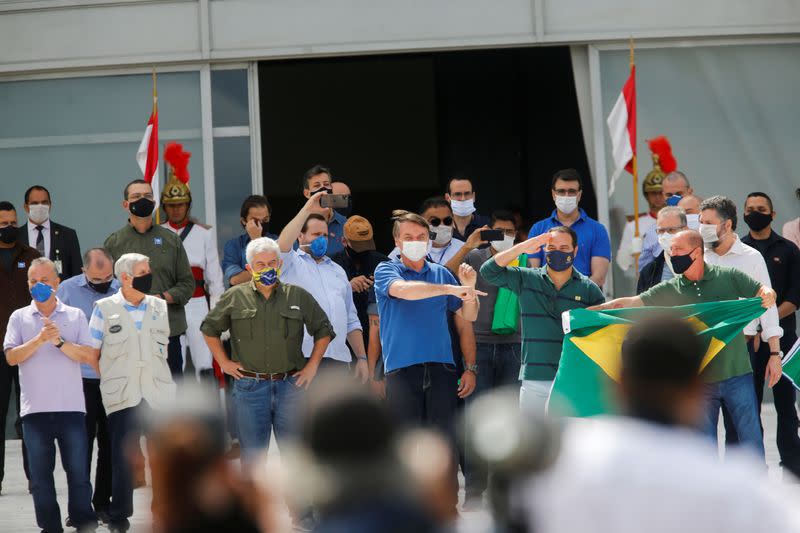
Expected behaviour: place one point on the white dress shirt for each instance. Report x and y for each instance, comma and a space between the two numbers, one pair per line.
748, 260
439, 256
33, 234
327, 283
628, 476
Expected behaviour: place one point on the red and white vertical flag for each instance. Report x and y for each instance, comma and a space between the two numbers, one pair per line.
147, 155
622, 128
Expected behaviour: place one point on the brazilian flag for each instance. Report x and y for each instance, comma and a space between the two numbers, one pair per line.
791, 364
591, 353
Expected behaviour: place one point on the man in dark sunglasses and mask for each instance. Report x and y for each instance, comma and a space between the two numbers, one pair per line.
172, 276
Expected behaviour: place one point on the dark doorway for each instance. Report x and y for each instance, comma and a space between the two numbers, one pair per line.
395, 128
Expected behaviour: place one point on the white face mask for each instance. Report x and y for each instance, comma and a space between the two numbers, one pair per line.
693, 221
414, 250
444, 234
709, 233
567, 204
38, 213
463, 208
505, 244
665, 241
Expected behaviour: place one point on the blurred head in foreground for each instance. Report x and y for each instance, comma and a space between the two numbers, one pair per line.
660, 380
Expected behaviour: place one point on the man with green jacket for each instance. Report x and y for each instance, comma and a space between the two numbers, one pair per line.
172, 278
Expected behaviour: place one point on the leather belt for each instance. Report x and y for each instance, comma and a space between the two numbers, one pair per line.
280, 376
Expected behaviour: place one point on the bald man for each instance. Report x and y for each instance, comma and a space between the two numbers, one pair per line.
728, 377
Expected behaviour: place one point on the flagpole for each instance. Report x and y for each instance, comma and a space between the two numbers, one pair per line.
155, 110
635, 178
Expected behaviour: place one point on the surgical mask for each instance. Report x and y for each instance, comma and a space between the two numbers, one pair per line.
757, 221
41, 292
558, 260
566, 204
709, 233
665, 241
101, 288
319, 246
444, 234
681, 263
8, 234
463, 208
267, 276
673, 200
693, 221
505, 244
38, 213
143, 283
142, 208
414, 250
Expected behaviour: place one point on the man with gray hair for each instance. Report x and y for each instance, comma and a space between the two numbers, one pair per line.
49, 340
130, 333
670, 220
266, 319
82, 291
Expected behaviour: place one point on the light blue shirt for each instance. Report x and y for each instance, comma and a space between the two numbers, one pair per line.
650, 249
327, 282
76, 292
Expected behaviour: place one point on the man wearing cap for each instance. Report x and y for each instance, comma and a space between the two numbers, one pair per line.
630, 244
201, 249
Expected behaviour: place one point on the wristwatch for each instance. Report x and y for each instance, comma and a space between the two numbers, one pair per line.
60, 343
776, 354
472, 368
361, 358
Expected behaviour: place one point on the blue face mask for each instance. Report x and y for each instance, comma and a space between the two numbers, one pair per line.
319, 246
558, 260
673, 200
266, 277
41, 292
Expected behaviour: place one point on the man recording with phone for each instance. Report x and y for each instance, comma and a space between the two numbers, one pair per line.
319, 178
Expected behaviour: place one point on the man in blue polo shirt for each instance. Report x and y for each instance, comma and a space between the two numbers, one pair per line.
414, 296
594, 246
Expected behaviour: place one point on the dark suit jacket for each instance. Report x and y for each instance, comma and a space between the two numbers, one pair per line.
64, 247
651, 274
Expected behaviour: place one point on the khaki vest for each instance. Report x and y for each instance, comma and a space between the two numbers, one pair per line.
133, 364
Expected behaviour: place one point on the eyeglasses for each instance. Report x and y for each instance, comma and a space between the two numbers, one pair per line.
673, 229
567, 192
436, 221
462, 195
134, 197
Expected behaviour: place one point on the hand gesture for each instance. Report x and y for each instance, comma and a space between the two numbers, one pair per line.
232, 368
534, 244
313, 201
768, 297
467, 275
253, 228
361, 283
474, 239
49, 332
465, 293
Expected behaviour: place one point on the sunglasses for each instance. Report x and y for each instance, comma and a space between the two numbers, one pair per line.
436, 221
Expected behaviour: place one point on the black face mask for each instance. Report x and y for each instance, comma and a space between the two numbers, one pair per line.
681, 263
346, 211
264, 229
143, 283
142, 208
8, 234
757, 221
102, 288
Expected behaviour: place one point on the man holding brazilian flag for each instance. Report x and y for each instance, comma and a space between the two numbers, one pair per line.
717, 301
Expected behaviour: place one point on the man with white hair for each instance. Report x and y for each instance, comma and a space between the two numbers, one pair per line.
266, 318
49, 340
130, 333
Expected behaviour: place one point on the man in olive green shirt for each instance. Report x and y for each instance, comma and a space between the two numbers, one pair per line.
266, 320
544, 293
172, 278
728, 377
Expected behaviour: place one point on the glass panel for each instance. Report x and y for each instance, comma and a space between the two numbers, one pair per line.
229, 103
108, 104
233, 184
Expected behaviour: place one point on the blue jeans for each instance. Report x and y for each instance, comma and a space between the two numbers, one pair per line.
738, 396
261, 406
42, 431
498, 366
124, 428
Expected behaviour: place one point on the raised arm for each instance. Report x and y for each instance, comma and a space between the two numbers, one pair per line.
292, 230
472, 242
619, 303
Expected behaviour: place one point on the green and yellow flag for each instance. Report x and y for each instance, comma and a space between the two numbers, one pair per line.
791, 364
591, 353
